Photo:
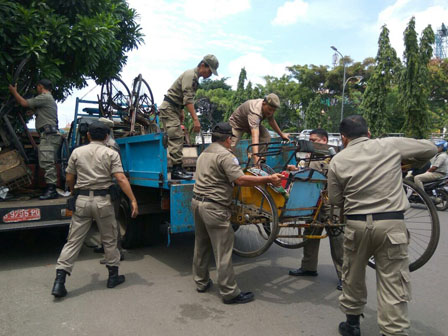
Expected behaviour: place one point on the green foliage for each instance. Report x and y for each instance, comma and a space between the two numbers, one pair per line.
316, 116
374, 103
414, 93
66, 41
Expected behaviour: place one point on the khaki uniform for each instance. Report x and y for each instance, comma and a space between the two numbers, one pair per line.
366, 179
247, 117
181, 93
311, 248
46, 112
93, 164
441, 162
217, 169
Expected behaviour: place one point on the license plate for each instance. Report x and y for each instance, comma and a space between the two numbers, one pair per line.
22, 215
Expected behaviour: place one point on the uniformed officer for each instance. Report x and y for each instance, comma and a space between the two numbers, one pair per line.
366, 178
46, 112
247, 118
311, 248
93, 165
216, 173
181, 94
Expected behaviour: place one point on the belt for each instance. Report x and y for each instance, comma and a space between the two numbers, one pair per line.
205, 199
172, 102
99, 192
48, 129
378, 216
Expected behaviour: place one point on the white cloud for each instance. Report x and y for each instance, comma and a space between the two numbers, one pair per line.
397, 17
209, 10
290, 12
257, 66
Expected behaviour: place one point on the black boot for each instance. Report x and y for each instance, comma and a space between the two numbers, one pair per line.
59, 284
178, 173
114, 278
50, 193
351, 327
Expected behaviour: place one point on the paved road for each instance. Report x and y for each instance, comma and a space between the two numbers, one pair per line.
159, 297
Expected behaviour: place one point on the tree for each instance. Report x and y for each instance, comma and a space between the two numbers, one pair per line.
66, 41
438, 74
316, 116
414, 93
373, 104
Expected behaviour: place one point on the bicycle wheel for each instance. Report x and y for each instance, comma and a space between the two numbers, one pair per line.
254, 220
145, 100
103, 100
422, 223
22, 78
441, 204
118, 94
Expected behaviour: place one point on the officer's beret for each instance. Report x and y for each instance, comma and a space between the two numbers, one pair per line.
223, 128
98, 127
273, 100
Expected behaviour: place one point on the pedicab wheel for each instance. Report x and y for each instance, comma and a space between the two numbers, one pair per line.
254, 220
443, 195
145, 100
422, 223
119, 96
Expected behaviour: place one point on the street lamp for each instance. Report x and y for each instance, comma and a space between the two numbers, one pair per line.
343, 81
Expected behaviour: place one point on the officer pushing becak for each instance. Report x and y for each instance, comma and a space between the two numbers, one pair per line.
46, 111
366, 179
217, 171
181, 94
93, 166
247, 118
311, 248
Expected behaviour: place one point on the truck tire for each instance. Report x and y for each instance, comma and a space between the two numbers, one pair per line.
130, 229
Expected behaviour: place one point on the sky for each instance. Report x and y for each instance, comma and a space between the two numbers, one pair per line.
264, 36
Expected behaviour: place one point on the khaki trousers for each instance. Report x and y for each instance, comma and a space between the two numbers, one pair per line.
47, 149
427, 177
100, 209
213, 235
170, 117
311, 252
387, 241
238, 134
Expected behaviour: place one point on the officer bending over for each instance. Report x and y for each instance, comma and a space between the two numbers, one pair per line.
216, 173
93, 165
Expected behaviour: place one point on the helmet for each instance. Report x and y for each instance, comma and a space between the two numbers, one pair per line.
441, 143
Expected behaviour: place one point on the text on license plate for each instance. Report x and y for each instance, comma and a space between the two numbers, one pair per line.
22, 215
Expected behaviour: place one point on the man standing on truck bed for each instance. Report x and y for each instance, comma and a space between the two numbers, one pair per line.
247, 118
46, 112
216, 173
181, 94
93, 165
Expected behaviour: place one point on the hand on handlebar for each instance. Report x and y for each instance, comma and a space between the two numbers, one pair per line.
276, 179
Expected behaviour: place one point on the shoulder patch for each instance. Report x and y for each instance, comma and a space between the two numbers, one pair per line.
236, 161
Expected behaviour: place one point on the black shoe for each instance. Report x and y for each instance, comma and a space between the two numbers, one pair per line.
243, 297
206, 288
99, 249
50, 193
351, 327
178, 173
302, 272
114, 279
339, 285
59, 284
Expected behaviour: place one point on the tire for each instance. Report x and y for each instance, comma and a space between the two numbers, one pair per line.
422, 223
253, 204
443, 195
130, 229
119, 96
145, 101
